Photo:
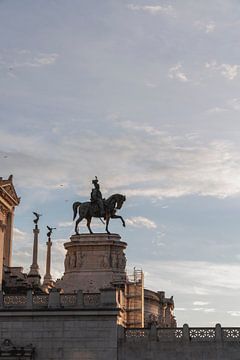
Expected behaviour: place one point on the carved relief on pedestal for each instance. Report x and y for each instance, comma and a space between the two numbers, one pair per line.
67, 262
122, 261
72, 261
114, 260
118, 260
80, 259
105, 263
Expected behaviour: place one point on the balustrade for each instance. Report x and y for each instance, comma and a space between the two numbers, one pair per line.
186, 334
53, 300
68, 300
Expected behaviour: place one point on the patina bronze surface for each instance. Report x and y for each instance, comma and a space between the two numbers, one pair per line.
98, 207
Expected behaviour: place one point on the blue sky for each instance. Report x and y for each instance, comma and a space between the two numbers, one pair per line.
145, 95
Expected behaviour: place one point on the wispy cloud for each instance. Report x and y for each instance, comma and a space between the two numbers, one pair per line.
140, 221
176, 72
65, 224
199, 277
216, 110
19, 235
207, 27
234, 104
153, 9
151, 163
200, 303
229, 71
25, 58
234, 313
206, 310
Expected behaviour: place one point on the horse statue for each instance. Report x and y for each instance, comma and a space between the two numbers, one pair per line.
88, 209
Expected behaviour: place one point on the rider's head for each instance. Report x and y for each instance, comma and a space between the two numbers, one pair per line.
95, 182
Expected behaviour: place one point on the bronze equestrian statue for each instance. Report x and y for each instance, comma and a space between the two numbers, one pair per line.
98, 207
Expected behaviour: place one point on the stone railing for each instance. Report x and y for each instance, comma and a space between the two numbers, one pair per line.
184, 334
54, 300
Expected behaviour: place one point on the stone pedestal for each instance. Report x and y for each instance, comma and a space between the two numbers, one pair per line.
92, 262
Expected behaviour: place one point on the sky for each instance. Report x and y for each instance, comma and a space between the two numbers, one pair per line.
145, 95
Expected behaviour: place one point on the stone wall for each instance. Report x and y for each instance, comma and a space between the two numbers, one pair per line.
61, 326
65, 335
179, 344
84, 326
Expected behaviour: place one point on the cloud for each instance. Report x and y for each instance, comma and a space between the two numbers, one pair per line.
207, 27
209, 310
177, 73
231, 104
234, 104
65, 224
200, 303
234, 313
140, 221
19, 235
216, 110
150, 163
192, 277
151, 85
153, 9
13, 59
229, 71
206, 310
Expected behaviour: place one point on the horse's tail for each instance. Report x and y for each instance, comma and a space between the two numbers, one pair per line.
75, 208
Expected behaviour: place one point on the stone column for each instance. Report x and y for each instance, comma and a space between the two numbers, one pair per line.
2, 236
8, 239
34, 275
48, 282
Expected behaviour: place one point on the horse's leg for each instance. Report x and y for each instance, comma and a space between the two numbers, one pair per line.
107, 222
76, 225
82, 214
118, 217
89, 218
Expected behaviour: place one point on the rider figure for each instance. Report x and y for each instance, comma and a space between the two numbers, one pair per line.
96, 196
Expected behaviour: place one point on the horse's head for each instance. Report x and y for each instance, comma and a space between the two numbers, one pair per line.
120, 201
115, 202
